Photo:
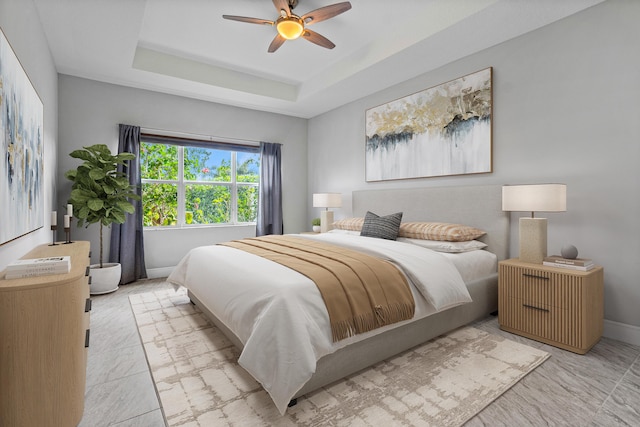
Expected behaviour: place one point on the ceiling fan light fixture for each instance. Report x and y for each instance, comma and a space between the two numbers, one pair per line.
290, 27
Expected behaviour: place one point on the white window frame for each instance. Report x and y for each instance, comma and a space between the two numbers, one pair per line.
181, 184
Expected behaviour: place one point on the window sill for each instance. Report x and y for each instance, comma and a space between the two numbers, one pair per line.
198, 226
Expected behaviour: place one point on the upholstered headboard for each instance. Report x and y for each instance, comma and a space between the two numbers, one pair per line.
477, 206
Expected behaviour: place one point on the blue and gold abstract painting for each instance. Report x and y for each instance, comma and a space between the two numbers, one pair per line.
21, 149
444, 130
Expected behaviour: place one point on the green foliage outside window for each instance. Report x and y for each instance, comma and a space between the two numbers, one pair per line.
208, 185
159, 161
247, 204
210, 204
160, 204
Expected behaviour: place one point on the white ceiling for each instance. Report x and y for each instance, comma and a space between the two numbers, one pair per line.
184, 47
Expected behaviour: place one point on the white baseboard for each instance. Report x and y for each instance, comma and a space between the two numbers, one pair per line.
622, 332
157, 273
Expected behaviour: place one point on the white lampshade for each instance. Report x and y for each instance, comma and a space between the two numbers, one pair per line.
535, 198
327, 200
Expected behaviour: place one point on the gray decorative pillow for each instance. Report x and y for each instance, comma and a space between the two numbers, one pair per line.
382, 227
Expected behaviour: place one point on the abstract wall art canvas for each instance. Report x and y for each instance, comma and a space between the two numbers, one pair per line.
21, 149
444, 130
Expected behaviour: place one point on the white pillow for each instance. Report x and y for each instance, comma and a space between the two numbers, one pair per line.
444, 246
338, 231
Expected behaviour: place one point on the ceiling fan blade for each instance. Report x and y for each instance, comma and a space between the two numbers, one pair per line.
247, 19
316, 38
282, 5
325, 12
276, 43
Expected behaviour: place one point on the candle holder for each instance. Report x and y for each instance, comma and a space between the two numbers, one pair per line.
67, 232
53, 230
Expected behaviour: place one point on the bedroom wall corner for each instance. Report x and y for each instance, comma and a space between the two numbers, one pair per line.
20, 23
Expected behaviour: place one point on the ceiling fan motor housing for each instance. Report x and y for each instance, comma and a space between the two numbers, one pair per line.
290, 27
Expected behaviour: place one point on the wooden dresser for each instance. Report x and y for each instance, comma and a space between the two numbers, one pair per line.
557, 306
44, 335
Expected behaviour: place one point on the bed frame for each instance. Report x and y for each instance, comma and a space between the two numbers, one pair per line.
477, 206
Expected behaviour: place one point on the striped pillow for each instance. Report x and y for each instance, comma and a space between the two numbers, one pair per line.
382, 227
439, 231
353, 224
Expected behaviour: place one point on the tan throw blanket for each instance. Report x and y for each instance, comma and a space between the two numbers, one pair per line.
361, 292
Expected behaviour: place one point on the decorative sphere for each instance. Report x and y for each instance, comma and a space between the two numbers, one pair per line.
569, 252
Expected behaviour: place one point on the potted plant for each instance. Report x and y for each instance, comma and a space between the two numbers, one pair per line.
315, 223
100, 194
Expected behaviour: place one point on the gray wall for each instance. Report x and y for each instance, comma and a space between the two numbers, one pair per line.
21, 26
91, 111
565, 110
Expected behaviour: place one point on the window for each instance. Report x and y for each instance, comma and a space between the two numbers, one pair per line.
188, 182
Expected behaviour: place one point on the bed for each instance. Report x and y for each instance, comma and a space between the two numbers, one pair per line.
307, 362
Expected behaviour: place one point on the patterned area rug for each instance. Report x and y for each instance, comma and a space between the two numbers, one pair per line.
444, 382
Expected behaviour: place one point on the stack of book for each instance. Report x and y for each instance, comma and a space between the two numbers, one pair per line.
38, 267
582, 264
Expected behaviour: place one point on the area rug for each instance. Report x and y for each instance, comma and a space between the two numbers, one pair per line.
444, 382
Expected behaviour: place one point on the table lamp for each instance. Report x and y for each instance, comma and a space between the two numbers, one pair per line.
326, 200
534, 198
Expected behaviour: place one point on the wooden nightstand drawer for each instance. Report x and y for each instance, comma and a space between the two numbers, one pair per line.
539, 320
540, 287
553, 305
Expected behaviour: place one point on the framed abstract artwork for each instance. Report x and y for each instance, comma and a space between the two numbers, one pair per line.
21, 149
444, 130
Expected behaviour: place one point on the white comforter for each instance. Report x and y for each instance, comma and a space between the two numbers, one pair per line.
279, 314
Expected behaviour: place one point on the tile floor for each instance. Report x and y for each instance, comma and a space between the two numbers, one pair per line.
601, 388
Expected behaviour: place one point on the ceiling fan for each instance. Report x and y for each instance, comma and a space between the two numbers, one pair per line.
291, 26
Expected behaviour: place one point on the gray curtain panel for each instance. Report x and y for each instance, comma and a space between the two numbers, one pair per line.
270, 200
127, 245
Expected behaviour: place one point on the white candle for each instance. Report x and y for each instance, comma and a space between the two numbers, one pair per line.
70, 210
66, 221
54, 218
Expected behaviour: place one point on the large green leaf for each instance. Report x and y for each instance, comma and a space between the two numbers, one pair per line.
97, 174
80, 196
95, 204
122, 182
118, 216
126, 156
126, 207
81, 154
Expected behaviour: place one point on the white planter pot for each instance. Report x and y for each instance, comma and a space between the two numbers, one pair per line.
316, 228
105, 279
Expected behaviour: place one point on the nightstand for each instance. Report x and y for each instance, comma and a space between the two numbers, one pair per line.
557, 306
